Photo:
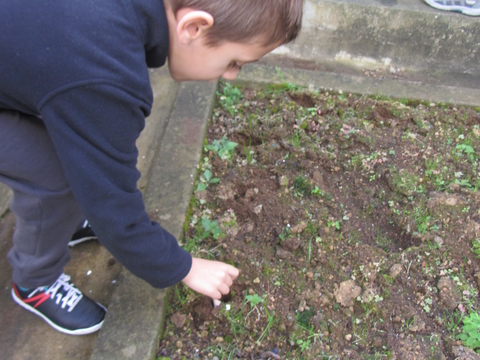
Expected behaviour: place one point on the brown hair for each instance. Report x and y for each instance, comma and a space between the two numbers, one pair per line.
274, 21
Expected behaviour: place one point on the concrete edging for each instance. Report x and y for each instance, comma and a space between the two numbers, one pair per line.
136, 313
361, 85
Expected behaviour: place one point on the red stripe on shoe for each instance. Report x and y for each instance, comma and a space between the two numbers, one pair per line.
40, 297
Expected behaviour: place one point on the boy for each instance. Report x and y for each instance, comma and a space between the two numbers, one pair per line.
74, 94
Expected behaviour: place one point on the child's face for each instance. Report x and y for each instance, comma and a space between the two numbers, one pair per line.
189, 57
202, 62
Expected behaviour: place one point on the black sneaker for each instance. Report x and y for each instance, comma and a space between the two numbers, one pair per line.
62, 306
84, 234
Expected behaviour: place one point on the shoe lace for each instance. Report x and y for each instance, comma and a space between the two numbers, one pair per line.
72, 296
85, 224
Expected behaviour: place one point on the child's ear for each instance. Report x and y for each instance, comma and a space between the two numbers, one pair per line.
191, 24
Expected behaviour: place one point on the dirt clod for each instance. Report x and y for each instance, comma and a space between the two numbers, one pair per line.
347, 293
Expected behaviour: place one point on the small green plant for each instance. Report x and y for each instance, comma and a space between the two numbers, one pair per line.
468, 150
270, 321
405, 183
286, 86
304, 344
427, 304
249, 152
285, 233
476, 247
302, 186
471, 331
205, 180
296, 138
210, 228
230, 97
388, 279
422, 219
409, 322
334, 223
316, 191
254, 300
223, 147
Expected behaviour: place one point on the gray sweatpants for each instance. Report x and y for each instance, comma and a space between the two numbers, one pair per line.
47, 214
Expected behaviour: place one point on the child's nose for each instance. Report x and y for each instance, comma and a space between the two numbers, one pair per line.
230, 74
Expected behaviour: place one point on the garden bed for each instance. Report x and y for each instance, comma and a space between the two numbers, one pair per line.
354, 220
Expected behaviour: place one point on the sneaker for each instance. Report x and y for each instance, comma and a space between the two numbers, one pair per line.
62, 306
466, 7
85, 233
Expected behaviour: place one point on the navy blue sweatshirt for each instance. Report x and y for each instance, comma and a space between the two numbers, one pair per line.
82, 67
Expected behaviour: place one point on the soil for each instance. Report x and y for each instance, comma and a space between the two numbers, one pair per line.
355, 223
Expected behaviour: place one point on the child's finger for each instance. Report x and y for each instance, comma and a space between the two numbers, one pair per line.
224, 289
215, 295
228, 280
233, 272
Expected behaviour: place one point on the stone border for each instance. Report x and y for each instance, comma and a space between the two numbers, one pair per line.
136, 312
361, 85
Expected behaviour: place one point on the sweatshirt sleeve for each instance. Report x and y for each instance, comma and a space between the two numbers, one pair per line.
94, 129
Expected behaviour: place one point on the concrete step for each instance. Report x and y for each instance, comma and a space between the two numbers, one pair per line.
388, 39
267, 73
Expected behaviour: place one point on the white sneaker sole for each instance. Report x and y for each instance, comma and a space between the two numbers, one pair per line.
85, 331
81, 240
455, 8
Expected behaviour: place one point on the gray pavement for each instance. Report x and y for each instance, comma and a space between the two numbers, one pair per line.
439, 54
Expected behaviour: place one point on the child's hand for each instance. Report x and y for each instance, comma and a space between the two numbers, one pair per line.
210, 278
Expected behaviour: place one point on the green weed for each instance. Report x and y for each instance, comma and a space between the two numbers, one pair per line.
296, 138
223, 147
471, 331
316, 191
254, 300
302, 186
205, 180
229, 98
334, 223
476, 247
468, 150
211, 228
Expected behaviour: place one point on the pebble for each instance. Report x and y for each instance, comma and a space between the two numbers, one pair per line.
395, 270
